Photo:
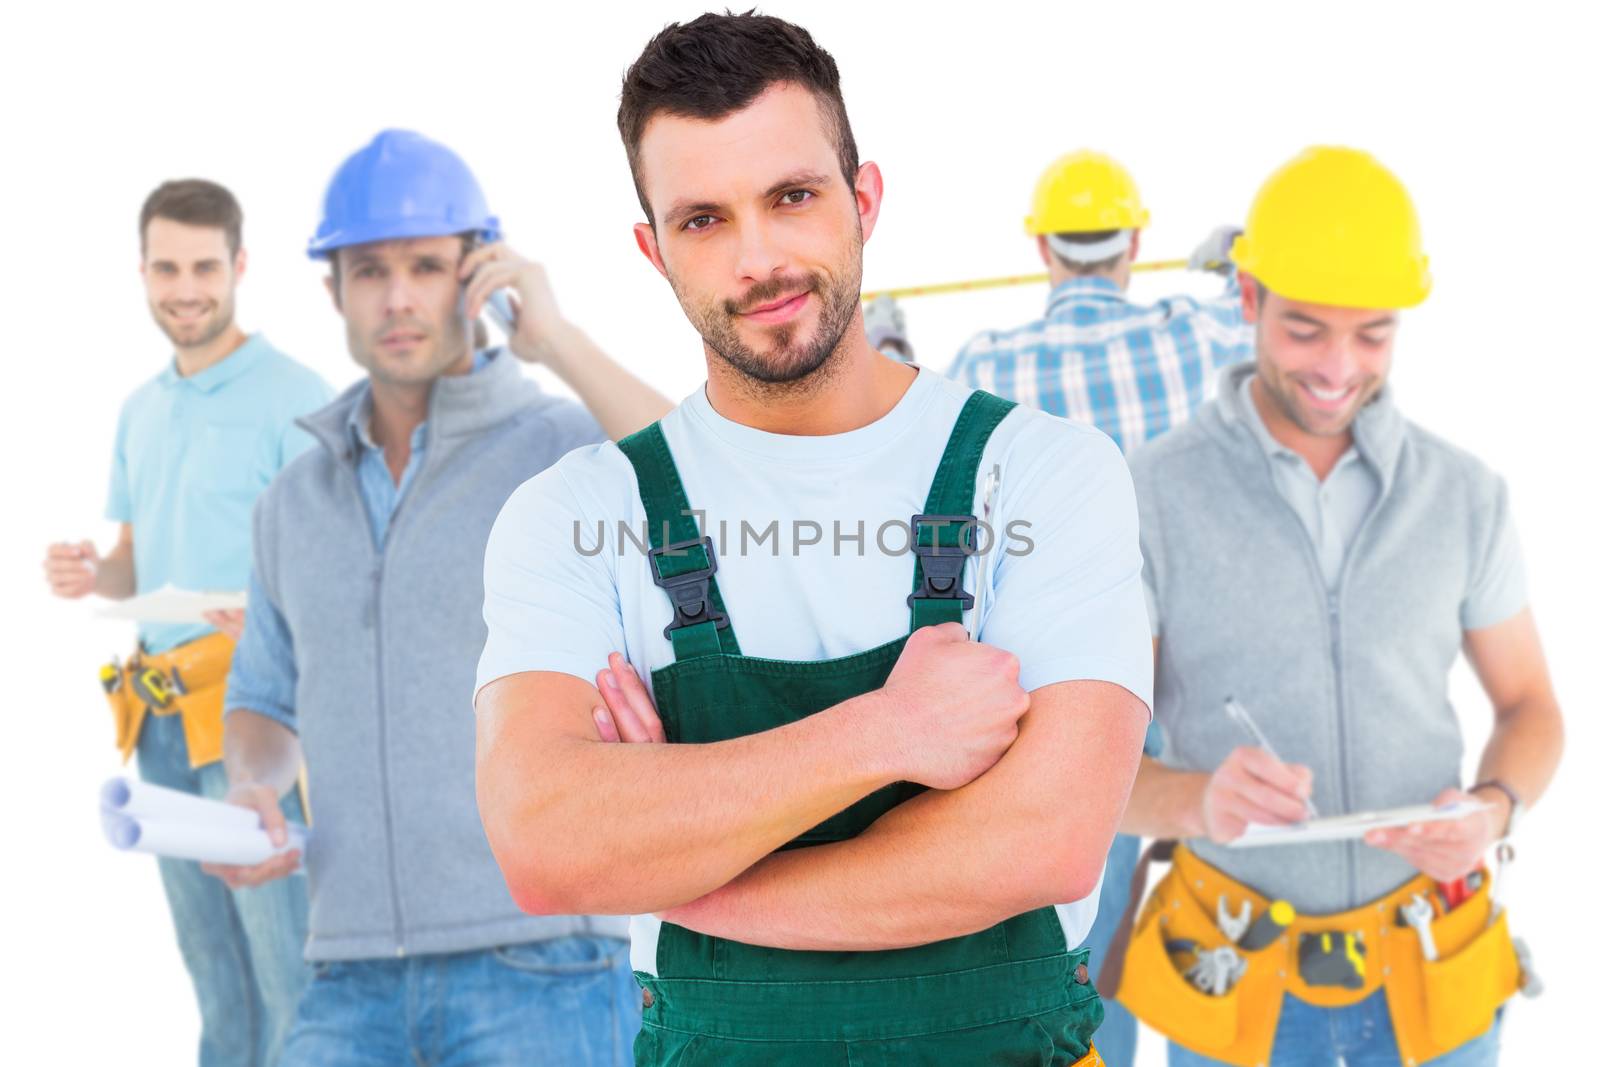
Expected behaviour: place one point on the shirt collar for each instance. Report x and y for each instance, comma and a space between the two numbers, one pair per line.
1276, 448
233, 365
360, 427
1377, 432
360, 422
1094, 288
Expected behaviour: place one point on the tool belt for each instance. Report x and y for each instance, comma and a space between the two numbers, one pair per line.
189, 681
1329, 961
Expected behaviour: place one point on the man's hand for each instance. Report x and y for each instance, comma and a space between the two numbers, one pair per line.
885, 324
263, 800
949, 709
71, 568
1215, 253
951, 706
1451, 848
538, 319
1252, 786
628, 714
229, 620
619, 402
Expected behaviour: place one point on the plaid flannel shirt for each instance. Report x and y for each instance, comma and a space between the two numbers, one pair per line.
1134, 371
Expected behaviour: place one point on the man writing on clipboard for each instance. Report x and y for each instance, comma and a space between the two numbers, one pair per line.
1318, 557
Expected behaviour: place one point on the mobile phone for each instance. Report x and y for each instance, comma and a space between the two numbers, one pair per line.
498, 308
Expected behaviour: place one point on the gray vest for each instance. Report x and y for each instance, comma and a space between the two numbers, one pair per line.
1351, 682
386, 645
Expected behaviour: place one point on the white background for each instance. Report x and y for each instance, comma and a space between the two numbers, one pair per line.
1486, 112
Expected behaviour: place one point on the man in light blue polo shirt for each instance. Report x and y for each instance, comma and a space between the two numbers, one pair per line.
230, 428
194, 447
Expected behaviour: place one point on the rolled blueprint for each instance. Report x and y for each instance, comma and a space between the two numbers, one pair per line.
141, 800
139, 817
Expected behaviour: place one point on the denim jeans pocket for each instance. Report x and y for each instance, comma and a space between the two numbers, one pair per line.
577, 954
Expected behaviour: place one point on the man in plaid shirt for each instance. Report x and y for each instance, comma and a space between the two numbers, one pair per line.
1133, 370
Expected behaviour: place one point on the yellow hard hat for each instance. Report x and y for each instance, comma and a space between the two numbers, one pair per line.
1083, 192
1334, 226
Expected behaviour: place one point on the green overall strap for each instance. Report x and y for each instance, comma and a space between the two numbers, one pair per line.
944, 535
681, 560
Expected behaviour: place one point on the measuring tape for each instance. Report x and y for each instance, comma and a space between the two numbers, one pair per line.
1001, 283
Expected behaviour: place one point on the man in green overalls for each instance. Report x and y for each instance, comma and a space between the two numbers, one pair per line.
845, 835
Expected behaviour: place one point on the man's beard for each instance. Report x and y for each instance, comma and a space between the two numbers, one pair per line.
1284, 393
785, 361
445, 349
209, 329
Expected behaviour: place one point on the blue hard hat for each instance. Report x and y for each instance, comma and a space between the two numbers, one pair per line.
401, 185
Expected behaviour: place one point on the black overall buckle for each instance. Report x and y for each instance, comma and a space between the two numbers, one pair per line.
941, 564
690, 591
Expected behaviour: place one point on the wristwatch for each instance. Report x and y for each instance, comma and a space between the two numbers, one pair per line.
1515, 814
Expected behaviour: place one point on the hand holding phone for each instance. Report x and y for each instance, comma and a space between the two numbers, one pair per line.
515, 292
501, 313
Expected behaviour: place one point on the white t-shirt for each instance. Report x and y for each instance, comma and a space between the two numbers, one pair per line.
1059, 588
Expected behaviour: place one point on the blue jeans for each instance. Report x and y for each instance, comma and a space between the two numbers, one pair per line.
1358, 1036
243, 948
568, 1002
1118, 1036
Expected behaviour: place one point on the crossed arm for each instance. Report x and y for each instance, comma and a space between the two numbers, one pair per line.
1032, 831
581, 826
693, 829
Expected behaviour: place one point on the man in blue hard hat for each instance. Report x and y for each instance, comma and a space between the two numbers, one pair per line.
364, 627
194, 446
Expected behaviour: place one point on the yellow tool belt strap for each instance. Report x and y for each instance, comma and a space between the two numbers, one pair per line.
1436, 1006
201, 666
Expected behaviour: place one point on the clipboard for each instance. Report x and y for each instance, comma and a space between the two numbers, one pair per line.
171, 604
1352, 827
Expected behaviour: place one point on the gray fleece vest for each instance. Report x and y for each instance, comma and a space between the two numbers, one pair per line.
1350, 682
386, 644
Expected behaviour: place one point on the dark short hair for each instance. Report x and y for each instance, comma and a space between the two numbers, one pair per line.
194, 202
717, 65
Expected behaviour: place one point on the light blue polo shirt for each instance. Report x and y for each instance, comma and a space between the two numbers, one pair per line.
191, 456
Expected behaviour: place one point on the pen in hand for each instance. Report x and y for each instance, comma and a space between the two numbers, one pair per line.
1236, 712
